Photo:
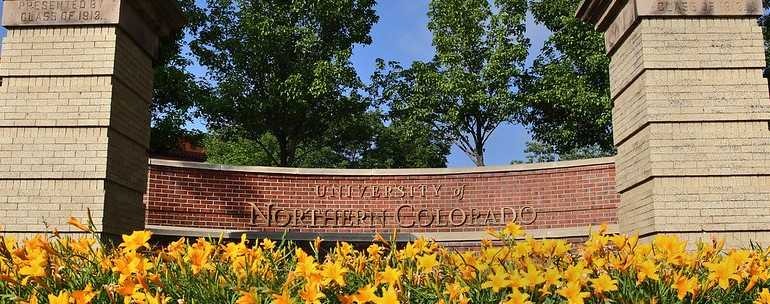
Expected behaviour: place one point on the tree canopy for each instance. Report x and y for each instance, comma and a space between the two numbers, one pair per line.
565, 94
282, 90
465, 92
282, 70
176, 90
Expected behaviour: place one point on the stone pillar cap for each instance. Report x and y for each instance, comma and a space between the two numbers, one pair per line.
146, 21
601, 13
163, 16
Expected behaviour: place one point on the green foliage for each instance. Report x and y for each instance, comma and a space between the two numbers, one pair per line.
393, 146
465, 92
404, 144
176, 91
537, 152
283, 68
566, 92
238, 151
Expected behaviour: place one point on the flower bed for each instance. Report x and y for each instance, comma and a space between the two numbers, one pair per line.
512, 269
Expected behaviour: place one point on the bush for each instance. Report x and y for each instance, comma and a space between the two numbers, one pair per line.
511, 269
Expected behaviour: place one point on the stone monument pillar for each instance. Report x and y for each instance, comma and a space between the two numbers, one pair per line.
690, 117
74, 110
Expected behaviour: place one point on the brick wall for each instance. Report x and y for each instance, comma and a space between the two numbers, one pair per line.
572, 195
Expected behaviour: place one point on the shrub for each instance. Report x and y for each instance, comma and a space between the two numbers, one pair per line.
511, 269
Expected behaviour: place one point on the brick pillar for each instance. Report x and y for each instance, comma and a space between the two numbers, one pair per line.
690, 116
74, 110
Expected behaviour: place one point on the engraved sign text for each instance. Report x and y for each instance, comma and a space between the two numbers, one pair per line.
389, 191
700, 7
59, 12
405, 216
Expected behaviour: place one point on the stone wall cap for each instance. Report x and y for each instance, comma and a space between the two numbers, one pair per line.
470, 236
385, 172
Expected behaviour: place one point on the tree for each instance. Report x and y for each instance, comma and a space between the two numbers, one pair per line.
176, 90
395, 145
566, 92
282, 69
241, 151
342, 145
404, 144
465, 92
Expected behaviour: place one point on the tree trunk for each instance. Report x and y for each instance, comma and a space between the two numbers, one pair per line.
283, 153
478, 158
479, 150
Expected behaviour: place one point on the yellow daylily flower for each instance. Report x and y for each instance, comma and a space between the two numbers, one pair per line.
389, 296
77, 224
246, 298
646, 270
62, 298
573, 293
517, 297
427, 262
333, 272
513, 230
533, 277
84, 296
136, 240
684, 285
723, 272
390, 276
312, 294
365, 294
604, 283
283, 298
455, 291
764, 297
497, 281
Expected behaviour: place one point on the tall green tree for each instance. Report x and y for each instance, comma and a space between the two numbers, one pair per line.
465, 92
282, 70
176, 90
566, 97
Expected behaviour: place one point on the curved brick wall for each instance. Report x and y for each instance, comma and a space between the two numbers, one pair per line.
552, 199
555, 200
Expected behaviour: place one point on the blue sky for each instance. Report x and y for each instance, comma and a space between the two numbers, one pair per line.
402, 35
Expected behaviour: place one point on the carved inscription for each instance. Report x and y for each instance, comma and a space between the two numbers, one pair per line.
646, 8
700, 7
389, 191
59, 12
405, 216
